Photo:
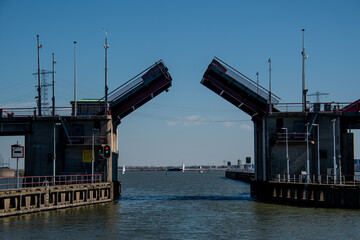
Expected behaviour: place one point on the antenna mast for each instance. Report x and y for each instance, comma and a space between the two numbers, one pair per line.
304, 91
106, 46
53, 84
38, 73
75, 104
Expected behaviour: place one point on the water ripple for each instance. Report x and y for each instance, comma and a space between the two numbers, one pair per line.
242, 197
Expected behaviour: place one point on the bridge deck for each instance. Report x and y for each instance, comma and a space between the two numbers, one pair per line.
237, 88
139, 90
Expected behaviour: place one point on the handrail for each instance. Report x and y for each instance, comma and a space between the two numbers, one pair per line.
34, 181
156, 63
318, 179
252, 81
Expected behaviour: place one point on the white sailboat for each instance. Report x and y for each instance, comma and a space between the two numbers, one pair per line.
123, 170
183, 167
200, 171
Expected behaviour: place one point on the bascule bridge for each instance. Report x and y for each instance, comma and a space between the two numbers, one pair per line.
293, 142
72, 141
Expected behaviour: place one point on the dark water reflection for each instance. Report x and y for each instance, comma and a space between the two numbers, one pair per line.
186, 205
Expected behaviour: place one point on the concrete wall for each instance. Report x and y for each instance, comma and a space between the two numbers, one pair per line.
28, 200
275, 160
315, 195
39, 145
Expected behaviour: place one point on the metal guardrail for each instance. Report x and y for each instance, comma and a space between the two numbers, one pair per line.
312, 107
35, 181
94, 110
82, 110
249, 80
318, 179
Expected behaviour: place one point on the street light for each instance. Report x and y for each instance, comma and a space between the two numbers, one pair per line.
334, 122
270, 105
318, 148
92, 154
54, 157
307, 155
287, 154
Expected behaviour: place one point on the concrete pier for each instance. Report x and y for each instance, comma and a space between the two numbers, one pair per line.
241, 176
36, 199
314, 195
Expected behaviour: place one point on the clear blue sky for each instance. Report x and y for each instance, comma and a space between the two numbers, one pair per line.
181, 125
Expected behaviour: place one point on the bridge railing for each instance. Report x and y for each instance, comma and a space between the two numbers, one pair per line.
81, 110
318, 179
35, 181
312, 107
84, 110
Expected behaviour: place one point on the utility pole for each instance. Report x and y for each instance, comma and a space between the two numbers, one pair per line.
304, 91
53, 84
39, 84
106, 46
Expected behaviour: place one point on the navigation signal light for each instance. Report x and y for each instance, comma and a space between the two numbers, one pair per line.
107, 151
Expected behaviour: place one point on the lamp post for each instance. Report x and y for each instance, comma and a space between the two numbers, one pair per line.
54, 157
334, 122
307, 155
270, 105
287, 155
318, 151
93, 154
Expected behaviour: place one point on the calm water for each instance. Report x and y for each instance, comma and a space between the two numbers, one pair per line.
186, 205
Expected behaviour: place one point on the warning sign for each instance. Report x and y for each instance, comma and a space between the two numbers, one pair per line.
17, 151
87, 154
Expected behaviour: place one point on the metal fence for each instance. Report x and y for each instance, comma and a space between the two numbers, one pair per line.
312, 107
318, 179
82, 110
35, 181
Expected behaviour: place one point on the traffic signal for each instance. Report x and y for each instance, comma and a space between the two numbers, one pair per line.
107, 151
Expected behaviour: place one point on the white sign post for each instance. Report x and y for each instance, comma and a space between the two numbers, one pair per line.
17, 152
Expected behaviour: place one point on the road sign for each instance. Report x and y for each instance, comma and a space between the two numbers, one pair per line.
87, 156
17, 151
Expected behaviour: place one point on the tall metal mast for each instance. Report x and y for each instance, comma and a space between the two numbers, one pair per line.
270, 105
304, 91
106, 46
53, 84
39, 84
75, 104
